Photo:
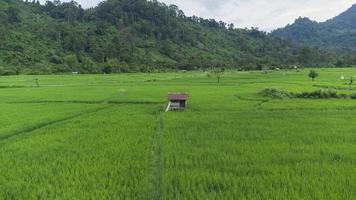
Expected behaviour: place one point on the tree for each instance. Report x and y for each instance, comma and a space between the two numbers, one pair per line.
107, 69
114, 65
3, 27
13, 15
231, 26
88, 65
72, 62
305, 56
313, 74
218, 72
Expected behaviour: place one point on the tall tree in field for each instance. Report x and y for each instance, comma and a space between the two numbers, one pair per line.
218, 72
313, 74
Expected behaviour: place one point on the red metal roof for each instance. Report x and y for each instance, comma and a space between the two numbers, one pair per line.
178, 96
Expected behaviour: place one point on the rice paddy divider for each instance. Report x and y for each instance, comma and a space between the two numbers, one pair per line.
49, 123
87, 102
156, 163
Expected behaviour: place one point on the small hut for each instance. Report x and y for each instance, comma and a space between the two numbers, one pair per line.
177, 101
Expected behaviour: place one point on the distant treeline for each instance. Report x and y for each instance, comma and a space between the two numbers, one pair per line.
132, 36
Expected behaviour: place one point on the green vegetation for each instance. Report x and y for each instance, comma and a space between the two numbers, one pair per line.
135, 36
275, 93
218, 73
318, 94
313, 74
106, 137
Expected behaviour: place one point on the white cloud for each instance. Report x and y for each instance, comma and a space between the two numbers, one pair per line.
84, 3
265, 14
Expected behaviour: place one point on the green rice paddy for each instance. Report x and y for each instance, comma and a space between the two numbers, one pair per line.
107, 137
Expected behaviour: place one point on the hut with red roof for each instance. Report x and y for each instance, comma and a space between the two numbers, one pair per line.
177, 101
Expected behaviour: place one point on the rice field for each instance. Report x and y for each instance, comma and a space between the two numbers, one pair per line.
108, 137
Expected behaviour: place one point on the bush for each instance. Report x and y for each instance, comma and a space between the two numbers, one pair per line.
72, 62
319, 94
275, 93
107, 69
353, 95
56, 59
7, 71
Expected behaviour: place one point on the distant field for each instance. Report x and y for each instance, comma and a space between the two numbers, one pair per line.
107, 137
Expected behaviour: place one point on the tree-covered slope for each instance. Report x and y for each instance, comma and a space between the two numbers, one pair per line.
126, 36
338, 33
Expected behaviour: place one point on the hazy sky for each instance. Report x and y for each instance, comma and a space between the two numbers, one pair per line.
265, 14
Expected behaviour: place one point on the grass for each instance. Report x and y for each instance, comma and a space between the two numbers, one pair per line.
106, 137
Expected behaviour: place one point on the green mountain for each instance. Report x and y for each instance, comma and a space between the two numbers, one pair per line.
129, 36
338, 33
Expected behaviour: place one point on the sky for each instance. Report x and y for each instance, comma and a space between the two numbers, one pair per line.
267, 15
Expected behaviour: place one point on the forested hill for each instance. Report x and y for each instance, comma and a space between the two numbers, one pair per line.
133, 35
338, 33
